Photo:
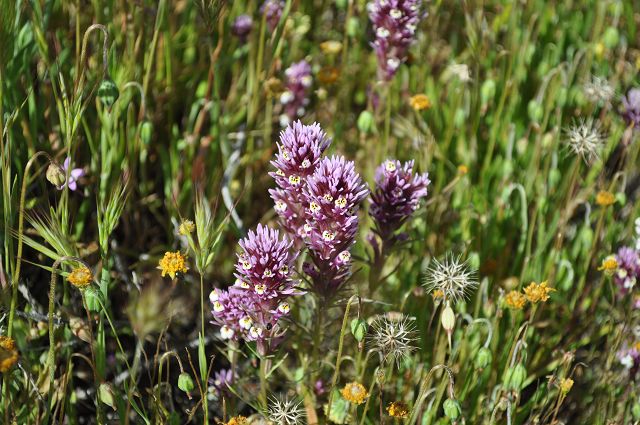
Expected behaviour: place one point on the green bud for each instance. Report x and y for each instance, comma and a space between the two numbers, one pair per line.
611, 37
106, 395
358, 329
635, 410
516, 375
146, 131
451, 409
55, 175
459, 118
554, 177
483, 358
342, 4
185, 383
535, 111
353, 27
448, 318
561, 96
487, 91
108, 92
366, 122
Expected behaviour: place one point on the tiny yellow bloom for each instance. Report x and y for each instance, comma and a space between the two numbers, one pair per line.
398, 409
604, 198
537, 292
565, 385
354, 392
437, 294
419, 102
609, 265
462, 169
80, 277
515, 300
8, 353
237, 420
331, 47
186, 227
172, 263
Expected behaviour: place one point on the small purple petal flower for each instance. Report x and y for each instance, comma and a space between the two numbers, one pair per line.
631, 108
396, 197
628, 272
74, 175
394, 23
242, 26
221, 381
272, 10
295, 98
629, 357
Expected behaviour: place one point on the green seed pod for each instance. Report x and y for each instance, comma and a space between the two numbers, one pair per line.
185, 383
487, 91
460, 118
106, 395
554, 177
342, 4
146, 131
358, 329
451, 409
561, 96
366, 122
635, 410
353, 27
55, 175
483, 358
448, 318
515, 377
534, 108
108, 92
611, 37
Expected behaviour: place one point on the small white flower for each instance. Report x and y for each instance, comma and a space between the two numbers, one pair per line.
306, 163
627, 361
395, 13
255, 332
218, 307
226, 332
260, 288
393, 63
306, 81
280, 206
344, 256
286, 97
585, 139
213, 296
328, 236
461, 71
246, 322
390, 166
452, 276
382, 32
285, 411
284, 308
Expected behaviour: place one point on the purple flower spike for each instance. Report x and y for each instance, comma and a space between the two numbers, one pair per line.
242, 26
74, 175
628, 271
631, 108
299, 152
396, 197
272, 10
221, 381
394, 23
333, 194
295, 97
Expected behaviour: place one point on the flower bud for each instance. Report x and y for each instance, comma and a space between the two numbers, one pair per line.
366, 121
185, 383
483, 358
448, 318
55, 175
146, 131
515, 377
535, 111
611, 37
108, 92
106, 395
451, 409
487, 91
353, 25
358, 329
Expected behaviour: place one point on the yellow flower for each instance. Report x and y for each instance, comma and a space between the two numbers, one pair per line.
186, 227
398, 409
462, 169
565, 385
609, 265
328, 75
80, 277
515, 300
537, 292
331, 47
437, 294
172, 263
604, 198
419, 102
354, 392
8, 353
237, 420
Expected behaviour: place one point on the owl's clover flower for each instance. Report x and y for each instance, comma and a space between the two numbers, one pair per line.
395, 23
299, 152
242, 26
631, 108
628, 272
397, 196
333, 194
294, 98
272, 10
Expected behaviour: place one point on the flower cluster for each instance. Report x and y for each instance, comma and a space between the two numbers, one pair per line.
628, 271
8, 353
299, 152
242, 26
396, 197
537, 292
394, 23
80, 277
251, 308
631, 108
172, 263
629, 357
294, 98
272, 10
354, 392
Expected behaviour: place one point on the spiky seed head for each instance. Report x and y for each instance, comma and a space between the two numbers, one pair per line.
598, 90
284, 411
393, 337
585, 139
452, 276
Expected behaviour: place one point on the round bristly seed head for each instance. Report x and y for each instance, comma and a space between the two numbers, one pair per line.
585, 139
452, 276
284, 411
393, 337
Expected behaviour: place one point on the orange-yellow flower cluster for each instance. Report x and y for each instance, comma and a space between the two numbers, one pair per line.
515, 300
604, 198
80, 277
172, 263
609, 265
419, 102
354, 392
398, 409
8, 353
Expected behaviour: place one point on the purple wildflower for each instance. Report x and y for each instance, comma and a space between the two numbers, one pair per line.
629, 357
299, 152
74, 175
396, 197
295, 97
242, 26
394, 23
272, 10
628, 271
221, 381
631, 108
333, 194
